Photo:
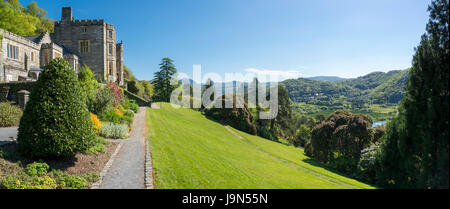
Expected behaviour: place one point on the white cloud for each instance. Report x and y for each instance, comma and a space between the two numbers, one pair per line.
279, 74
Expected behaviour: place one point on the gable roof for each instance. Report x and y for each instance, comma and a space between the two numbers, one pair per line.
42, 38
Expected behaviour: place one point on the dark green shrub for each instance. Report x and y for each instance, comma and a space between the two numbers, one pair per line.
56, 121
131, 105
369, 164
303, 134
9, 114
266, 133
239, 117
309, 149
128, 113
136, 87
102, 102
345, 164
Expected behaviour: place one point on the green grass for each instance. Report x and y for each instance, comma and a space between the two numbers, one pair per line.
191, 151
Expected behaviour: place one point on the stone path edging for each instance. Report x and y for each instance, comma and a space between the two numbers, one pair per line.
108, 165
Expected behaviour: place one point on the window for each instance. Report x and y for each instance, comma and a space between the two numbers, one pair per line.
32, 56
13, 51
9, 78
84, 46
110, 68
110, 33
110, 49
83, 29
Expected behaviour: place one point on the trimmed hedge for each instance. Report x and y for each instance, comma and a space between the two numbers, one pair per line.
56, 121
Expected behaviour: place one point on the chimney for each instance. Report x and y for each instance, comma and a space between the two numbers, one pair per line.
66, 14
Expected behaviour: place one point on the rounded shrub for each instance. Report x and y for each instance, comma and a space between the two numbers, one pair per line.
37, 169
102, 102
56, 121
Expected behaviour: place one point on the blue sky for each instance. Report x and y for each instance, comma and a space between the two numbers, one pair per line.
346, 38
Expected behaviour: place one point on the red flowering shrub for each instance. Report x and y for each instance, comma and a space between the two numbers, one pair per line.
114, 88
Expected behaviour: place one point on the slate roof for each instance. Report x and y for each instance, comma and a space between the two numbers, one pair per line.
35, 39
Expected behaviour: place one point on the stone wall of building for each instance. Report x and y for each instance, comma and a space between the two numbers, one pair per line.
119, 63
81, 42
110, 46
28, 56
101, 37
50, 51
71, 33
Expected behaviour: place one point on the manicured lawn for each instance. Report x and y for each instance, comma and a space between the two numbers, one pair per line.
191, 151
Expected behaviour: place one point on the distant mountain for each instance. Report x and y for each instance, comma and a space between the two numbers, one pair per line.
326, 78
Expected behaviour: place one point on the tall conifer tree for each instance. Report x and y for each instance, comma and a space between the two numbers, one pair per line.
162, 82
415, 151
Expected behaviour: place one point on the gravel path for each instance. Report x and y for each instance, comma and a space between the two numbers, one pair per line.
7, 135
127, 170
154, 106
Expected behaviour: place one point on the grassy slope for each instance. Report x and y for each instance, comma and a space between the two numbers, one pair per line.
190, 151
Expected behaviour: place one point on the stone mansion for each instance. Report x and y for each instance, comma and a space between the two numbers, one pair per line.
81, 42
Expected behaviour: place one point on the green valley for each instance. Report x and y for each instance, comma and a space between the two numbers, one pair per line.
191, 151
373, 88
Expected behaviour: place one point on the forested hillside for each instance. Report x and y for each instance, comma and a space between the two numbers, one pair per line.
391, 91
376, 87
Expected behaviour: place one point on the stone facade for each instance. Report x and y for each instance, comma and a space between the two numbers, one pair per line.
23, 58
94, 42
81, 42
19, 55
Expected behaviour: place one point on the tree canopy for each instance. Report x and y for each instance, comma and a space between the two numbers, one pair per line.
24, 21
163, 80
415, 150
